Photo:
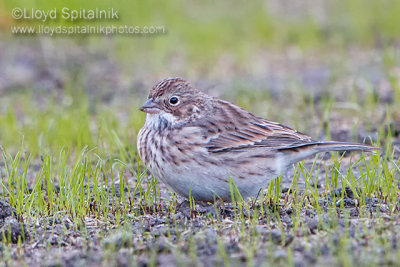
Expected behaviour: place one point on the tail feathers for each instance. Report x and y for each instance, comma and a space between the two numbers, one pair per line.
302, 151
342, 146
330, 146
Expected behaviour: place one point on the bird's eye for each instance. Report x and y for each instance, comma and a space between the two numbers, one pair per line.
174, 101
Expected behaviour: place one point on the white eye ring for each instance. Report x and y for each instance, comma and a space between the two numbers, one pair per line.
174, 101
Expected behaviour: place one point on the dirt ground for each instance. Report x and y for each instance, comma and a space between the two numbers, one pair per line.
340, 232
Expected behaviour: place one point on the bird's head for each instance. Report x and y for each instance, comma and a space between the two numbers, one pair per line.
174, 101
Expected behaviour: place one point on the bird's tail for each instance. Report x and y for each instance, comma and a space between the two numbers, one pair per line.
305, 150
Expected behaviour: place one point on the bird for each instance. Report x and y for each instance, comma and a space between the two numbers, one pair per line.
198, 145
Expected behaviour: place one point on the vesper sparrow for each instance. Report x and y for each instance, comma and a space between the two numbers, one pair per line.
196, 143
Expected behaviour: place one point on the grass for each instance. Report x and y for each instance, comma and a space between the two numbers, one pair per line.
226, 30
69, 164
65, 162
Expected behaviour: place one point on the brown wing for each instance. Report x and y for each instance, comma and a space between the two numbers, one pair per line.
229, 128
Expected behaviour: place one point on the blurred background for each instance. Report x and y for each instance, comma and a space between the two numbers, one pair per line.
327, 68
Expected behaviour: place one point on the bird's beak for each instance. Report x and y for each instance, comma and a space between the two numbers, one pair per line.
150, 107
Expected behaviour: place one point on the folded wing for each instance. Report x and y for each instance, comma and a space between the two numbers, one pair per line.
230, 128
